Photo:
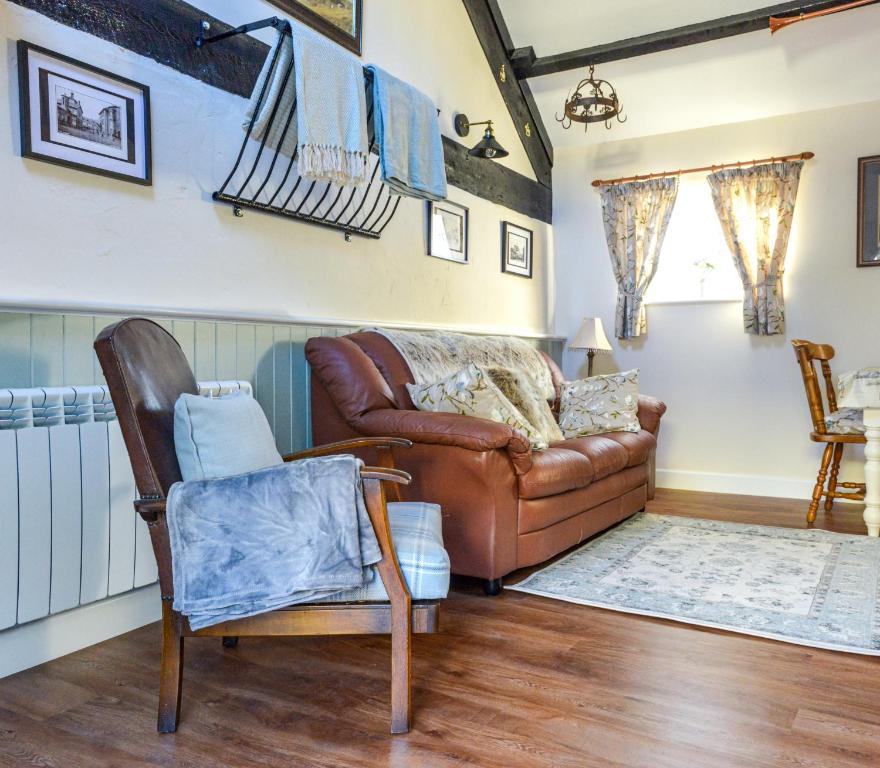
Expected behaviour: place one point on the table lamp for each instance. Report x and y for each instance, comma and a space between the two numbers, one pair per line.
591, 337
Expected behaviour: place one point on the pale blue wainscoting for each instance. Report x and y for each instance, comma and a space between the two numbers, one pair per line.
54, 349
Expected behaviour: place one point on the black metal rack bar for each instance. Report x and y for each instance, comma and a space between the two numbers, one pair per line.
257, 179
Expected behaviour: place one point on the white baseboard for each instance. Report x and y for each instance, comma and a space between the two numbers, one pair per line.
62, 633
747, 485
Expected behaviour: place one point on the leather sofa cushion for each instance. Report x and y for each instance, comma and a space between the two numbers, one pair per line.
349, 376
555, 470
607, 456
638, 444
538, 514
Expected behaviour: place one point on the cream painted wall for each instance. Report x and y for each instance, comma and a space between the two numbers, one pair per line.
737, 418
69, 237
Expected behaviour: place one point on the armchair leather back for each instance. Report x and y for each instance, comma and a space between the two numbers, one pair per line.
146, 372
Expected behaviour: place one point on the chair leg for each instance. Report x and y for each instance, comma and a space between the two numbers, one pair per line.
832, 478
171, 674
819, 488
401, 668
492, 587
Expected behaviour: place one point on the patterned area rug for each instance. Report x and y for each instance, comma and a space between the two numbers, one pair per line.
808, 587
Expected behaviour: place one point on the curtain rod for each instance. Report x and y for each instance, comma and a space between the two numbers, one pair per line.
702, 169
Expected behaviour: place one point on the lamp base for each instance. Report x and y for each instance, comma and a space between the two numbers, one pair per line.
591, 353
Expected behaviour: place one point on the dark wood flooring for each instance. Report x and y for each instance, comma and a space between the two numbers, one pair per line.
515, 680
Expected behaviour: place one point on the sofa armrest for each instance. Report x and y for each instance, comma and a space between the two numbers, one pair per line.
649, 413
448, 429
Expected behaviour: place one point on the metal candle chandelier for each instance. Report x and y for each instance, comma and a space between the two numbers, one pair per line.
593, 101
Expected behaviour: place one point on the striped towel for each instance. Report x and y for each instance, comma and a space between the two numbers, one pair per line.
326, 88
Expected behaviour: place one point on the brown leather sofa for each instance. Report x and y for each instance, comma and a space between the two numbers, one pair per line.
504, 506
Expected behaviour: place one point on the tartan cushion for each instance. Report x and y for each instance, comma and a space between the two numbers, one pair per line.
417, 533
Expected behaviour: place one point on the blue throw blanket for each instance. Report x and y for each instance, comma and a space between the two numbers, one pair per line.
408, 136
249, 544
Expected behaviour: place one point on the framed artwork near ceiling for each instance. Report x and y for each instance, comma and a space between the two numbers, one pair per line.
516, 250
340, 20
79, 116
868, 235
448, 231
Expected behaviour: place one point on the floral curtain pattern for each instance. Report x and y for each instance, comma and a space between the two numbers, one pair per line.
636, 216
755, 207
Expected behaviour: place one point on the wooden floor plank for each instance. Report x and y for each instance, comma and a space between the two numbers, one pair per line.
516, 680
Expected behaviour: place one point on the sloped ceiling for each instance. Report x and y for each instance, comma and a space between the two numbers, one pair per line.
822, 63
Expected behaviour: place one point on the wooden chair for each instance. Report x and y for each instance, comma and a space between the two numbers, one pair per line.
146, 372
807, 353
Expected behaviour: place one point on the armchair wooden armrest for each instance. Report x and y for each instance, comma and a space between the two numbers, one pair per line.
382, 446
350, 445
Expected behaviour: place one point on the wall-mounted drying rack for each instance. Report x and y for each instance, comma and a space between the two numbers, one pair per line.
263, 181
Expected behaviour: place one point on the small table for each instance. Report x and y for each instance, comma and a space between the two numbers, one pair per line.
861, 389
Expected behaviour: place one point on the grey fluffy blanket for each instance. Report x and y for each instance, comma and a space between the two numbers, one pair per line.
248, 544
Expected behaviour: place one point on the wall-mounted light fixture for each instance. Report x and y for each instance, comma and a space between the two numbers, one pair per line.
487, 147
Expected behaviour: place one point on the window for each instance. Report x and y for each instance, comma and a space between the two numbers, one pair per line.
695, 263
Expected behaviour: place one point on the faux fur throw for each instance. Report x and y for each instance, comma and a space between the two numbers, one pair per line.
434, 355
522, 393
325, 84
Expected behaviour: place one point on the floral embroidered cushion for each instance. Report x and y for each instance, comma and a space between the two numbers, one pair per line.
599, 404
846, 421
471, 392
525, 395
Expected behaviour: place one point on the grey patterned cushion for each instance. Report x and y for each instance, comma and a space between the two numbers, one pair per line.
845, 421
599, 404
418, 540
471, 392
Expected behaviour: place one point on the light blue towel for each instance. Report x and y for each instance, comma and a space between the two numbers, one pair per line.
408, 138
251, 543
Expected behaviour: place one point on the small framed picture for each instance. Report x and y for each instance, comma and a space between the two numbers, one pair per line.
516, 249
82, 117
340, 20
448, 231
868, 237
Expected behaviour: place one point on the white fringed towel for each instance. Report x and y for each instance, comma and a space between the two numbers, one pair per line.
329, 133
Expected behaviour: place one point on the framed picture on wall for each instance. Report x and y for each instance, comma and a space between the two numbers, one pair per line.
79, 116
516, 249
448, 231
340, 20
868, 237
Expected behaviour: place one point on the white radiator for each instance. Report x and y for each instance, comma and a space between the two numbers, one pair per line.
68, 531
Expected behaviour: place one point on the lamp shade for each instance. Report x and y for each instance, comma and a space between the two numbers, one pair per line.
591, 335
488, 147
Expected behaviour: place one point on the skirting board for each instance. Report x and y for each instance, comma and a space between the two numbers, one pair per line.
41, 641
745, 485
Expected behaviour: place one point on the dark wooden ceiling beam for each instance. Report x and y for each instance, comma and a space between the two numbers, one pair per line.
526, 64
495, 40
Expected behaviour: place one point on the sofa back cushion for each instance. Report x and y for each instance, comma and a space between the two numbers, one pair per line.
390, 364
350, 377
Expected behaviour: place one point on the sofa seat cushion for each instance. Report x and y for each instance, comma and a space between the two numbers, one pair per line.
555, 470
417, 535
606, 455
638, 444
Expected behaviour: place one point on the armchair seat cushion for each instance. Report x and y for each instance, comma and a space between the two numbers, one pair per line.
555, 470
417, 533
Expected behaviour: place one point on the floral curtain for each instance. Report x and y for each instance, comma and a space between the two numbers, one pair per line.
636, 215
755, 206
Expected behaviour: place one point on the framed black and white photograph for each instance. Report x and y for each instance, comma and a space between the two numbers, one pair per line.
340, 20
448, 231
516, 250
79, 116
868, 237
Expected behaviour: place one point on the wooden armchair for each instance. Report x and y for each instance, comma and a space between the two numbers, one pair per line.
834, 438
146, 372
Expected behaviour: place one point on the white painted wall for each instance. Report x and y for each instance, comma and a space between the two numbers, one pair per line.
737, 418
68, 236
